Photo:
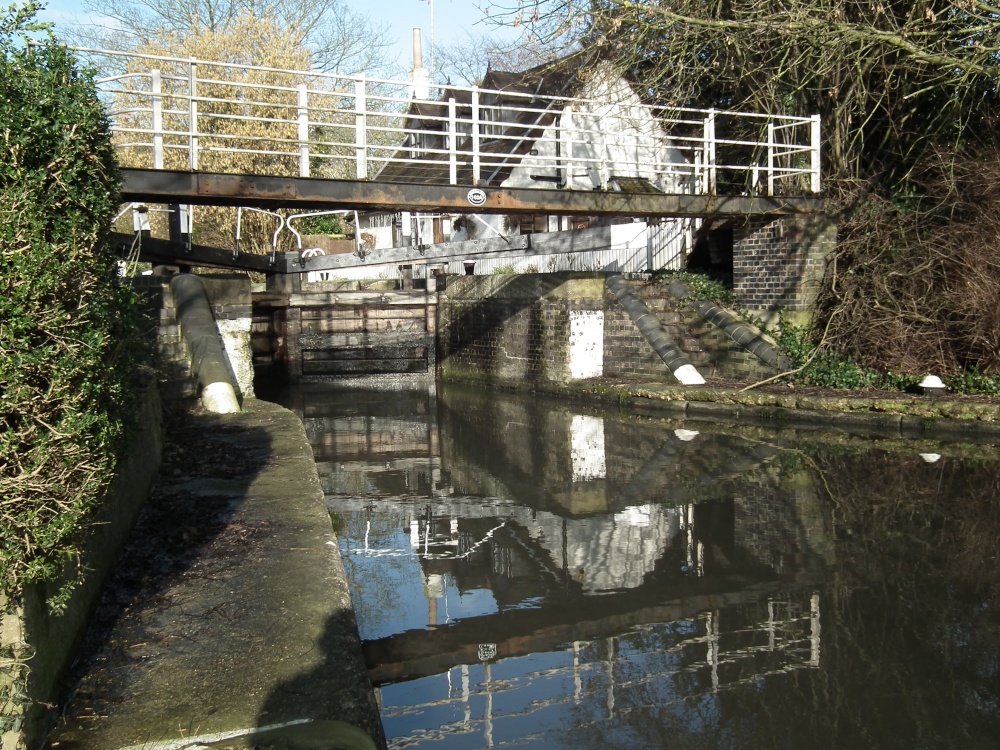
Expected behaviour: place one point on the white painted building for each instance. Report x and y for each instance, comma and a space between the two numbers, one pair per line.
607, 139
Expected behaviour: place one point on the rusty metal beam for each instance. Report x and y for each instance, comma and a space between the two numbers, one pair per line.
516, 247
200, 188
164, 252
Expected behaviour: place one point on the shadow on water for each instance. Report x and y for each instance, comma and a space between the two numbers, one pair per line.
543, 575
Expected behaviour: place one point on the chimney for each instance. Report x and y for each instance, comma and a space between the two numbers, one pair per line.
418, 53
420, 79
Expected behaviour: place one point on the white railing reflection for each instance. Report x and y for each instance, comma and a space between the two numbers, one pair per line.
604, 670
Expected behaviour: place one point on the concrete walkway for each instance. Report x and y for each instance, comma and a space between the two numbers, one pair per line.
229, 622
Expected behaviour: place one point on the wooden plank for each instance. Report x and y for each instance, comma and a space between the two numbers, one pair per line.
381, 298
369, 312
364, 353
363, 367
327, 340
362, 326
163, 252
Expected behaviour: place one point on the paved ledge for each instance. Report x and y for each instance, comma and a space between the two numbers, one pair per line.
229, 622
903, 413
888, 414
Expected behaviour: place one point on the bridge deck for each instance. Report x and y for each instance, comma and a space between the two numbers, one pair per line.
201, 188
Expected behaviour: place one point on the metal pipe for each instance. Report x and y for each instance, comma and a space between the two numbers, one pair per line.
208, 358
653, 331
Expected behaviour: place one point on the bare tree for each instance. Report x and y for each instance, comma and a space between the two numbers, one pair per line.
890, 77
466, 62
338, 39
246, 117
907, 91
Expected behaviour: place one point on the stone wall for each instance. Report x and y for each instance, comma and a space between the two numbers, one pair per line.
523, 329
513, 328
779, 262
49, 641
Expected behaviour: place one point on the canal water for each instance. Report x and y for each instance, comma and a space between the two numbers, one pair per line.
541, 574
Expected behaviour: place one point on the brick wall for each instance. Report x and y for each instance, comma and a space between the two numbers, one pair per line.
626, 353
778, 263
173, 360
512, 328
780, 521
516, 329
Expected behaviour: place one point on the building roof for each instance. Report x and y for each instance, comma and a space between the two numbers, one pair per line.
499, 155
632, 185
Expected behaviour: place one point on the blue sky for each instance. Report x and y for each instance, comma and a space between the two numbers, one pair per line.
452, 18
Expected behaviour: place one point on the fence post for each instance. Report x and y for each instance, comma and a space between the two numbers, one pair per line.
770, 158
476, 161
564, 143
193, 114
603, 170
452, 143
157, 120
710, 155
814, 144
360, 134
303, 120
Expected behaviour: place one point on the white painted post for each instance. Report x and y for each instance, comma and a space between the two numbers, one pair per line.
193, 114
770, 158
360, 126
814, 626
157, 120
565, 162
712, 634
602, 145
452, 143
710, 155
476, 160
303, 135
814, 143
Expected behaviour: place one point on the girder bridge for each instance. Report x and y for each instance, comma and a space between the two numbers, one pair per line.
210, 133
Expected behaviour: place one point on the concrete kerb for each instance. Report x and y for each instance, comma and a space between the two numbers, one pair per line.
268, 651
916, 417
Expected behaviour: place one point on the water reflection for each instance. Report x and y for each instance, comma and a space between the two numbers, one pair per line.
539, 575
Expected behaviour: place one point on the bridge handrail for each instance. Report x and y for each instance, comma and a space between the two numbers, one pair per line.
319, 124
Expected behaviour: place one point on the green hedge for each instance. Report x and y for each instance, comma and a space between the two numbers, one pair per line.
65, 320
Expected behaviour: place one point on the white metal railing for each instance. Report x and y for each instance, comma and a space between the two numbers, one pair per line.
190, 114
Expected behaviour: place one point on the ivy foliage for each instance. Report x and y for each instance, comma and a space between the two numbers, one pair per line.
825, 367
65, 320
703, 286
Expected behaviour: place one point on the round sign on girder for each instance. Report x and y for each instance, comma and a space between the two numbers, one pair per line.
476, 196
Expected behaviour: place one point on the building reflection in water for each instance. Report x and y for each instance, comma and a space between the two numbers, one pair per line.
518, 570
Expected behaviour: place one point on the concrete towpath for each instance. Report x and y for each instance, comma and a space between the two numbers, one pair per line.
228, 623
